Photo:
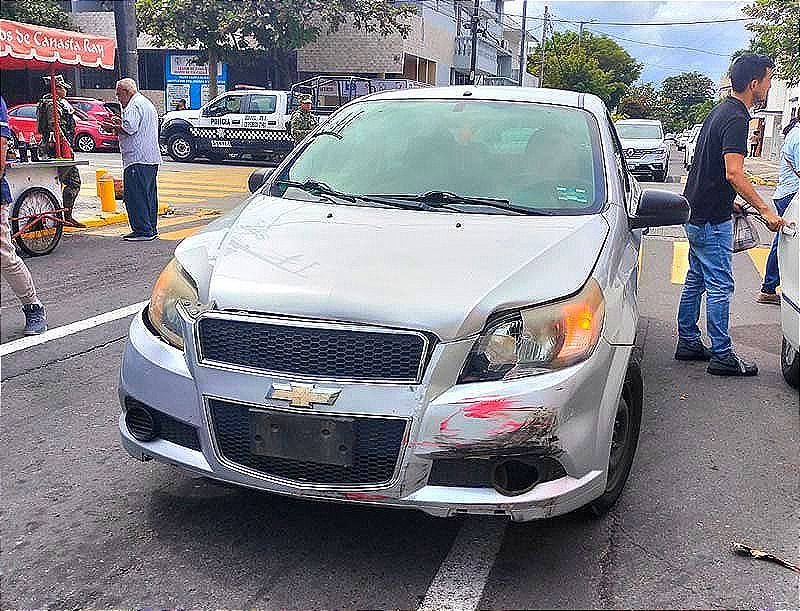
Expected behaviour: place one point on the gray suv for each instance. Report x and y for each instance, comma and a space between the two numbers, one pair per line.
646, 150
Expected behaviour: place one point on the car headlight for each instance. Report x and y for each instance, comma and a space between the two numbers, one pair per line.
538, 339
104, 131
173, 286
661, 154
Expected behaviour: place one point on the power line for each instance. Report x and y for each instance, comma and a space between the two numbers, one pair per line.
653, 23
653, 44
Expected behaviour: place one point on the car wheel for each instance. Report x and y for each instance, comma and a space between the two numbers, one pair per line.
790, 364
84, 143
624, 441
181, 147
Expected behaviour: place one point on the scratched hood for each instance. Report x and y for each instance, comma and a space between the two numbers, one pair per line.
436, 271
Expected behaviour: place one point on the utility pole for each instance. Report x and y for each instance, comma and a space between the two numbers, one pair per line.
523, 60
544, 43
125, 16
474, 59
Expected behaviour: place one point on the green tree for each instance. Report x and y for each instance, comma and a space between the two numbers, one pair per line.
699, 112
688, 89
640, 102
47, 13
599, 65
777, 34
225, 30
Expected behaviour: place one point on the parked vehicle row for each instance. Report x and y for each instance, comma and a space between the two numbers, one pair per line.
691, 145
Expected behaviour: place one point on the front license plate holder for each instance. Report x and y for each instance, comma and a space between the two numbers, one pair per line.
313, 438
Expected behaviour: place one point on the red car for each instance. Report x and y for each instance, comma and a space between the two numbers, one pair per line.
99, 109
89, 134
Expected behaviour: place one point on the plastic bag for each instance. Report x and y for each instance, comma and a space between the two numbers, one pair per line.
745, 232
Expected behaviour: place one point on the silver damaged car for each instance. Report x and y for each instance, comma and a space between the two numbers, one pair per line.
430, 303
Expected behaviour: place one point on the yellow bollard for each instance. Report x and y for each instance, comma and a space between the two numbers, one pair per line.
98, 174
108, 202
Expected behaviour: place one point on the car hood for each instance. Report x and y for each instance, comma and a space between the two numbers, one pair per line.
182, 114
641, 143
434, 271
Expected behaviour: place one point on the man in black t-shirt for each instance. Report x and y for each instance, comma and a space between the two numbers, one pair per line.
716, 176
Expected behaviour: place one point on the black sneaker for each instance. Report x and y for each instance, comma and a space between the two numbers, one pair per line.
139, 238
692, 352
731, 365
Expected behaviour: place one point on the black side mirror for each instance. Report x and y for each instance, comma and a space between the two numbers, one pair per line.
659, 208
258, 178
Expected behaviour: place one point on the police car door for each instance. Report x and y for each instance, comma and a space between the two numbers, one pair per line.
261, 128
220, 120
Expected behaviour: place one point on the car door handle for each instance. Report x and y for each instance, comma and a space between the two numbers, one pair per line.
272, 122
235, 122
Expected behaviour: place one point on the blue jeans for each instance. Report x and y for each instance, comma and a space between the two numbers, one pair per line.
710, 272
141, 198
772, 279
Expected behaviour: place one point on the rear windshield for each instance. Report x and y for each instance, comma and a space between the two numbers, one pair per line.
533, 155
632, 131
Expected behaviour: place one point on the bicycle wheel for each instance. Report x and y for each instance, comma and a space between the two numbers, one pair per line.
41, 234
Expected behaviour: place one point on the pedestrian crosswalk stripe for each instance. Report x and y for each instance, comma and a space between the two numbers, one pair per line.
123, 228
180, 233
759, 257
680, 261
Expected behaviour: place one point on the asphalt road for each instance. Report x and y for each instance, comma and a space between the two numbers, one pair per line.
85, 525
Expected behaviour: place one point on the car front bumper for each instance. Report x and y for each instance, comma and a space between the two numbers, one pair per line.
647, 165
565, 416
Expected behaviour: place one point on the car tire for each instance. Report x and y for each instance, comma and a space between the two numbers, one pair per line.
625, 439
660, 177
790, 364
181, 147
84, 143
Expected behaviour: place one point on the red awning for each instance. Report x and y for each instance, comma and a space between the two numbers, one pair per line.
38, 48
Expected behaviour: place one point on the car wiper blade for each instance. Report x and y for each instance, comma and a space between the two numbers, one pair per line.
316, 187
328, 132
438, 199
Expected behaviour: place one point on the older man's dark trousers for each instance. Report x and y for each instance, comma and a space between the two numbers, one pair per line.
141, 198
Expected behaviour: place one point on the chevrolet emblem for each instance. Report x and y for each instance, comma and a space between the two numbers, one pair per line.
303, 395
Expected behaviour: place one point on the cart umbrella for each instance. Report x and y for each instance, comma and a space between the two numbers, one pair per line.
38, 48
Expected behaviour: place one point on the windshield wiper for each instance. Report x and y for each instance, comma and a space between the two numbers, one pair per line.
328, 132
446, 199
316, 187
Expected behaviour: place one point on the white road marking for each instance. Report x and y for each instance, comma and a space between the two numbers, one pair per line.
459, 583
70, 329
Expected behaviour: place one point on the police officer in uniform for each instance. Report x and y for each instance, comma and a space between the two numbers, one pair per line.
70, 177
302, 121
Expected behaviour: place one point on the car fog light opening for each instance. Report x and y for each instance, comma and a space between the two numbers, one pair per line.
538, 339
140, 423
513, 477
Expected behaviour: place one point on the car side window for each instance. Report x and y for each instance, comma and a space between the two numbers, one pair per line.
226, 105
25, 112
262, 104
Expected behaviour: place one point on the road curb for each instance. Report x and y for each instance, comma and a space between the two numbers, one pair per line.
110, 218
762, 182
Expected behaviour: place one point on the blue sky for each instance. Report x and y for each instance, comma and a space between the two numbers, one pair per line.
721, 39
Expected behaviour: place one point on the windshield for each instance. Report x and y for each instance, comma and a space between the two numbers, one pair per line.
535, 156
634, 131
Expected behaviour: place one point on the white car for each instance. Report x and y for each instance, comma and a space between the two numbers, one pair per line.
646, 149
788, 255
431, 303
691, 145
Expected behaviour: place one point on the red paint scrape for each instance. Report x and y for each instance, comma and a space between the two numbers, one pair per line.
364, 496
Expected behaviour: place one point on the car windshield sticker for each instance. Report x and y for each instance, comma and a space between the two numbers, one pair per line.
572, 194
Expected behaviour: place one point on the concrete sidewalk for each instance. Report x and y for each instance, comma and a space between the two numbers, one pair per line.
763, 172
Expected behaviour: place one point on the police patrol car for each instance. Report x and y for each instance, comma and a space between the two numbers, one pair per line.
250, 121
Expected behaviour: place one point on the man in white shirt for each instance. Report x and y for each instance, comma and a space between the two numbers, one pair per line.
138, 143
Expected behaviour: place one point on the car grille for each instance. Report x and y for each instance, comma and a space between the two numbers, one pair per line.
636, 154
375, 453
313, 351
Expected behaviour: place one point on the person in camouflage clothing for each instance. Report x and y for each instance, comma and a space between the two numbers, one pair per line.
302, 121
70, 177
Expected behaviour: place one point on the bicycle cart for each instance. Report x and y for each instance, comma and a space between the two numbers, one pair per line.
36, 216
